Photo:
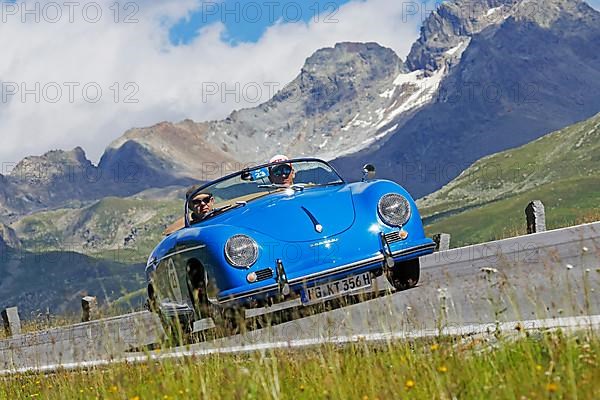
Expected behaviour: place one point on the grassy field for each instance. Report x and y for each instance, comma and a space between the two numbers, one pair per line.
520, 366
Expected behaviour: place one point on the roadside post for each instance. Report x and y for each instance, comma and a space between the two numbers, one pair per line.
12, 322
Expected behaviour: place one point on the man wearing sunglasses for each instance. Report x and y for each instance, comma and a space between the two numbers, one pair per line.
200, 206
281, 174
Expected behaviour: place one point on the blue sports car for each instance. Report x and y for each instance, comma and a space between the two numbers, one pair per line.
289, 229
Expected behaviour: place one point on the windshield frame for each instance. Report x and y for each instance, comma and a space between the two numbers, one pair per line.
233, 175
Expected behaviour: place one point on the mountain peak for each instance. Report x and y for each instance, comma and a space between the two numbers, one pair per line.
448, 30
55, 163
361, 60
548, 12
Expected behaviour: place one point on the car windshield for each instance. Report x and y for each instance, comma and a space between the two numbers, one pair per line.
251, 183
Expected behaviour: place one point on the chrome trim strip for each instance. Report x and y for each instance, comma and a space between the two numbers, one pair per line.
332, 271
337, 269
169, 255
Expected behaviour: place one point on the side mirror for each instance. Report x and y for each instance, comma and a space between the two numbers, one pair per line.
368, 172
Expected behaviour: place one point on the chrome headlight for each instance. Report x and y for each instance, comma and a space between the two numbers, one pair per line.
241, 251
394, 209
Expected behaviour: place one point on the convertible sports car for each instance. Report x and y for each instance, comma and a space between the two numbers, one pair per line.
291, 229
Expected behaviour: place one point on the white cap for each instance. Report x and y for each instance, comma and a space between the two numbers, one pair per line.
278, 158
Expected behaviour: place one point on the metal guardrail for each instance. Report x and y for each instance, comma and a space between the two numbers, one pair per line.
103, 338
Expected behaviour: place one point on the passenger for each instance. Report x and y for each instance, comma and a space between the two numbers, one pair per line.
281, 174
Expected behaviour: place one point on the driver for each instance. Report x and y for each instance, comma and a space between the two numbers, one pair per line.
281, 174
200, 206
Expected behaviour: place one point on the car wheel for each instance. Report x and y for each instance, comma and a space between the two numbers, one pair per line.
196, 282
405, 274
151, 300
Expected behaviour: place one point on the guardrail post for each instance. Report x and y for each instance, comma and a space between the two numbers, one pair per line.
442, 241
536, 217
12, 323
89, 306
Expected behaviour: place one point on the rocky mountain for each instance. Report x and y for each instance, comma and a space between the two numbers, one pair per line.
67, 179
529, 68
8, 239
340, 98
484, 76
324, 111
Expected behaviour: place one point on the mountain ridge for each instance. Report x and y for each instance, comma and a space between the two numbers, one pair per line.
505, 91
358, 102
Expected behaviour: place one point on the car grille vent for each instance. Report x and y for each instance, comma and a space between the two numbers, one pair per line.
393, 237
264, 274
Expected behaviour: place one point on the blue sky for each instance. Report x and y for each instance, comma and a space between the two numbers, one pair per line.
246, 21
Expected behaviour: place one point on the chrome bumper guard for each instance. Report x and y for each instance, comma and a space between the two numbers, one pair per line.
282, 281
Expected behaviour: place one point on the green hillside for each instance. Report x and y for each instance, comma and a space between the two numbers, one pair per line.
130, 226
487, 201
56, 281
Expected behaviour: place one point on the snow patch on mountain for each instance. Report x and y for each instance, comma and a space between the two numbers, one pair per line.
421, 90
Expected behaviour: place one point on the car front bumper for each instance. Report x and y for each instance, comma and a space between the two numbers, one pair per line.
296, 285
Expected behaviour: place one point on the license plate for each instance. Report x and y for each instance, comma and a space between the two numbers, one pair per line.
337, 288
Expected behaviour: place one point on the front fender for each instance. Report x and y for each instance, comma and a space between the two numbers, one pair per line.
366, 196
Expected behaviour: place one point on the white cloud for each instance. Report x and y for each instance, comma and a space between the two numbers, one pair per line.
170, 78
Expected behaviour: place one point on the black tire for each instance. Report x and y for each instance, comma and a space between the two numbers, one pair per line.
405, 274
151, 301
196, 283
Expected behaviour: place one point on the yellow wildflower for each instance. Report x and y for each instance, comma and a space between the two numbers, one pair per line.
443, 369
552, 387
409, 384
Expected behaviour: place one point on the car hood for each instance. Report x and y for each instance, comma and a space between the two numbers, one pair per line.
295, 216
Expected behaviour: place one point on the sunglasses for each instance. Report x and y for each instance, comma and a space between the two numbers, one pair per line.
198, 202
281, 170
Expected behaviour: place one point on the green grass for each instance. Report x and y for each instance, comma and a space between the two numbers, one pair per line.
538, 366
488, 200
